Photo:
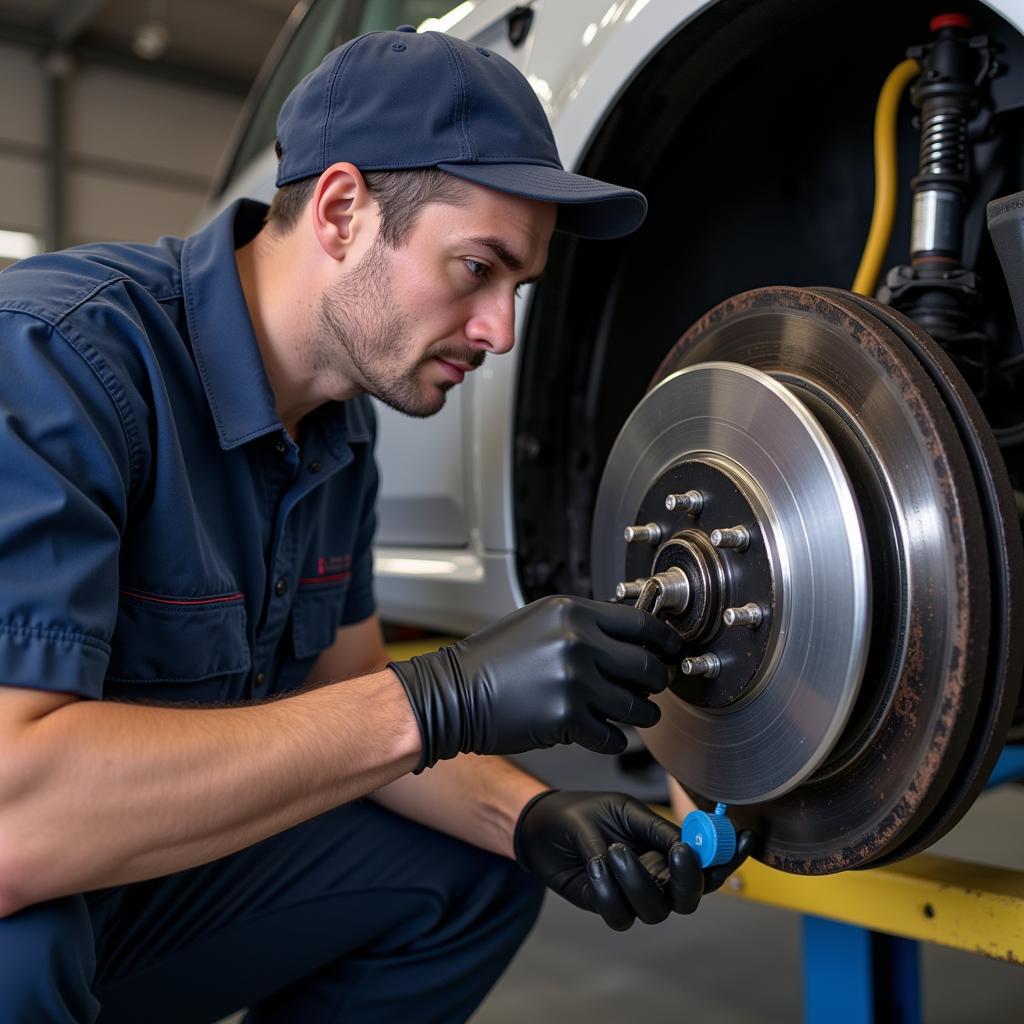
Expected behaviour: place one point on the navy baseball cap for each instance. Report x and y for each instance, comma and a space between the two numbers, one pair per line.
387, 101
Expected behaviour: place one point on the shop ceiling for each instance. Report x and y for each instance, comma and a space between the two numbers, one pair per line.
213, 45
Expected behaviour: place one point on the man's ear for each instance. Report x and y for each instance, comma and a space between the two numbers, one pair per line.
342, 210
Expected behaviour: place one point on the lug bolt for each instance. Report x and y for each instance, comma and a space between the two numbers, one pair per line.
746, 615
690, 501
737, 537
648, 534
628, 590
703, 665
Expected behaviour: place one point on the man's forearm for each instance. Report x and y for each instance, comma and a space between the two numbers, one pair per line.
477, 799
98, 793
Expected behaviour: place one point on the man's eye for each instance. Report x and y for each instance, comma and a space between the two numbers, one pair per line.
476, 268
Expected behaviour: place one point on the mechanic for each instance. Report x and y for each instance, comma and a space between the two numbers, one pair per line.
196, 692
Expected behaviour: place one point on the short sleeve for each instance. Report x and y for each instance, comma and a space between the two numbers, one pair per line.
360, 602
65, 477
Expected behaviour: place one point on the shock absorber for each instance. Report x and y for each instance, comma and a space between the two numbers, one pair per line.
947, 97
935, 289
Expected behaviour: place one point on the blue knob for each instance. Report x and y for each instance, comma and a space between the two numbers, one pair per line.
710, 836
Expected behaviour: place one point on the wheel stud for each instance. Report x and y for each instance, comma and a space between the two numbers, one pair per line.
746, 615
647, 534
703, 665
737, 537
628, 590
689, 501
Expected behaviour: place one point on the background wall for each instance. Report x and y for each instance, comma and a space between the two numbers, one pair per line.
99, 143
140, 153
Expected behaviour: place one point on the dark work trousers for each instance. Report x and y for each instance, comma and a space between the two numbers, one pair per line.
357, 915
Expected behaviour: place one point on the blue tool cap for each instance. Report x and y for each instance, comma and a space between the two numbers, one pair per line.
710, 836
397, 100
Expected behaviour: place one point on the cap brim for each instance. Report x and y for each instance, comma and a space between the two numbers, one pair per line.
586, 206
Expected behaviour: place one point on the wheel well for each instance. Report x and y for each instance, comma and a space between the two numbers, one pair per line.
750, 131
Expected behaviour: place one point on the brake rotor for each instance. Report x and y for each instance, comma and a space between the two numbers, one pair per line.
760, 461
838, 721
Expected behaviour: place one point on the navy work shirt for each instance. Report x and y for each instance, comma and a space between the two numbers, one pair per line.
161, 535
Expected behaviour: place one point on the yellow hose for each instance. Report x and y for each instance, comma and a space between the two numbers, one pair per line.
884, 212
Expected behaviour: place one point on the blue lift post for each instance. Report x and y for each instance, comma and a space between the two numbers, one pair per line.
857, 976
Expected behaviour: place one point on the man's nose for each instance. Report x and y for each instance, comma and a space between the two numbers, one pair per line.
494, 325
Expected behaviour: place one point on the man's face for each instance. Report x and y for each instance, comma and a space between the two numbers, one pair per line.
407, 324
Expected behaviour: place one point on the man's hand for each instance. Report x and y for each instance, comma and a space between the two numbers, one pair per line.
608, 853
556, 671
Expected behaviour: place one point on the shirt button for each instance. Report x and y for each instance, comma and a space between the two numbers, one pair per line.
314, 467
261, 678
279, 446
280, 586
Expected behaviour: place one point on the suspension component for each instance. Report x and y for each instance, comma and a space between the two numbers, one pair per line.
947, 96
936, 290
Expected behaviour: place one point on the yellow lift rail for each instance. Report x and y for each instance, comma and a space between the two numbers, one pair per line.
953, 903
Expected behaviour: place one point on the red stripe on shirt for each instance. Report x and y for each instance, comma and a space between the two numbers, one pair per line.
186, 601
326, 579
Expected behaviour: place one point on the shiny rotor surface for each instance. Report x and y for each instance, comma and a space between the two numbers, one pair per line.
748, 422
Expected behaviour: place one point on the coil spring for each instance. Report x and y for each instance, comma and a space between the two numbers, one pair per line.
943, 143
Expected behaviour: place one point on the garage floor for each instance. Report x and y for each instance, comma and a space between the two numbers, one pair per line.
733, 962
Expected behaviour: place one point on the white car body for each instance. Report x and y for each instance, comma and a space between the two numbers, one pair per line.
446, 553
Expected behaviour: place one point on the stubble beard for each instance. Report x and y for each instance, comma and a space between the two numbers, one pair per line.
364, 336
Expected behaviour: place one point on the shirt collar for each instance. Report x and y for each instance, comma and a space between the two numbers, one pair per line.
223, 341
226, 352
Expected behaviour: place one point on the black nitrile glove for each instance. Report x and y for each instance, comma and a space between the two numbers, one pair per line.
606, 852
553, 672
